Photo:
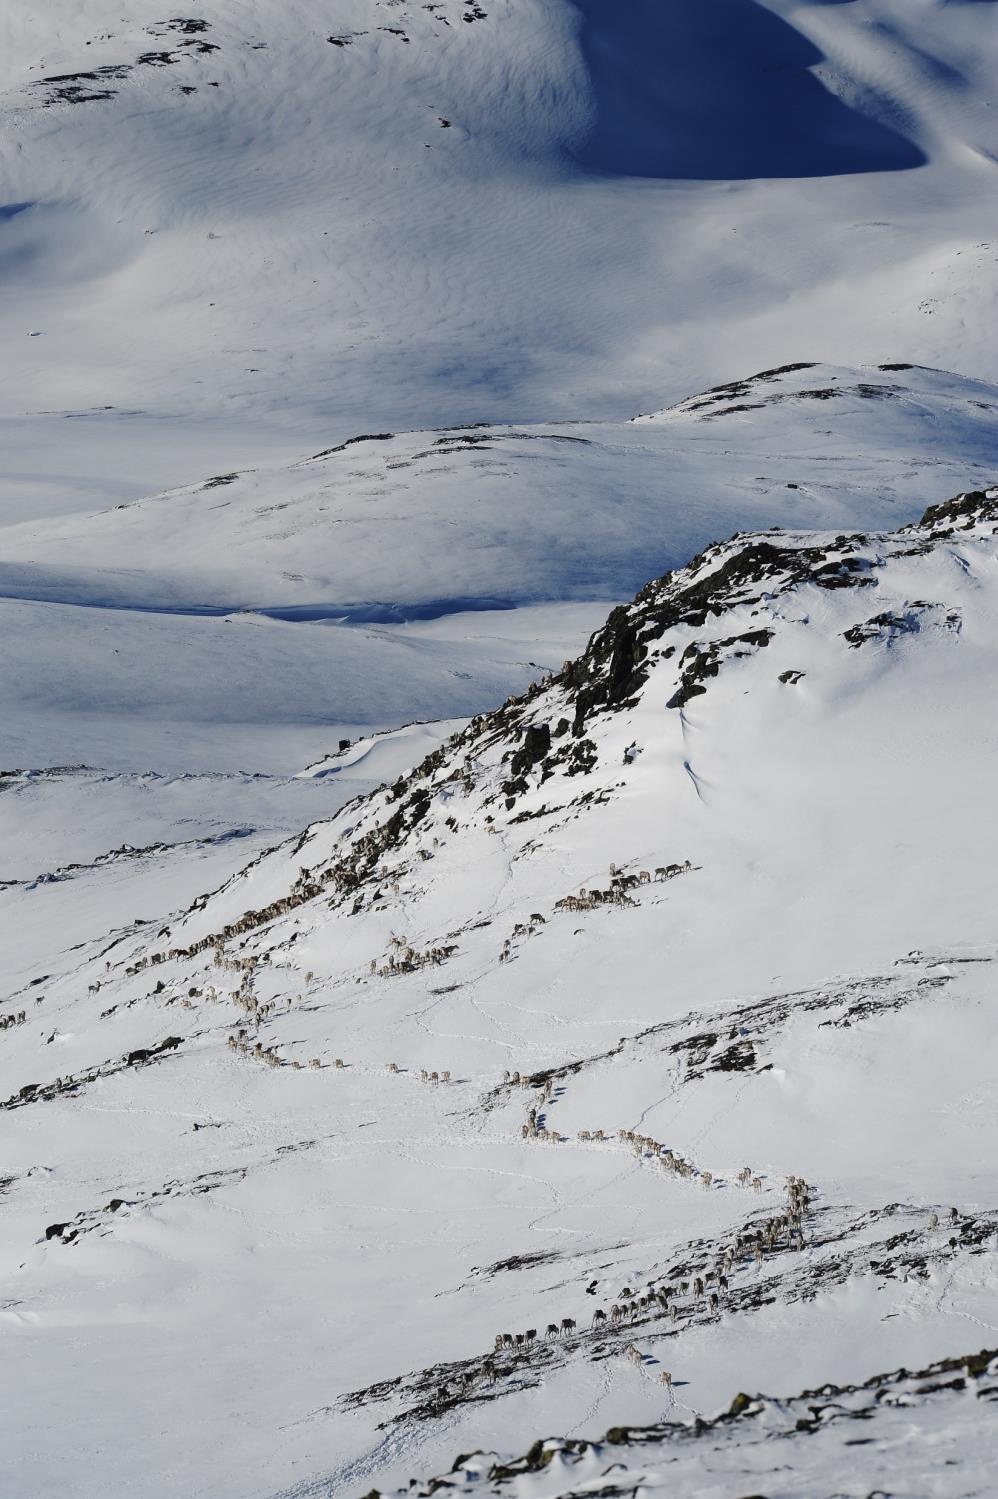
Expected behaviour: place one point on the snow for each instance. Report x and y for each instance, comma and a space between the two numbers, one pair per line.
531, 515
304, 245
330, 666
318, 600
324, 1230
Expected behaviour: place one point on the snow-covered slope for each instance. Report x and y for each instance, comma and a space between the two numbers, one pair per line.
384, 527
428, 575
802, 1445
720, 893
319, 1071
268, 215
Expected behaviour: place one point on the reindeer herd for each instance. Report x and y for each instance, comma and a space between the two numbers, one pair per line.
405, 958
695, 1294
692, 1295
620, 883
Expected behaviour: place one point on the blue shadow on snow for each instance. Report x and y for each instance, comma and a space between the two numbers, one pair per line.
717, 90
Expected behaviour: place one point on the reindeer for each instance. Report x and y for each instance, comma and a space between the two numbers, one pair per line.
567, 1326
552, 1330
599, 1319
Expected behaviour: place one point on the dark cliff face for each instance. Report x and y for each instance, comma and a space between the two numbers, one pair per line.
615, 666
959, 514
741, 573
612, 671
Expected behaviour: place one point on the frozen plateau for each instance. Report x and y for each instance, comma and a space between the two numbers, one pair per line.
499, 749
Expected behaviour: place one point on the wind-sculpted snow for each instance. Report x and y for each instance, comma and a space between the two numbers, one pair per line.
242, 226
615, 1041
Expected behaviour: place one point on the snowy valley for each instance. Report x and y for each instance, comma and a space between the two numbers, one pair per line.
498, 680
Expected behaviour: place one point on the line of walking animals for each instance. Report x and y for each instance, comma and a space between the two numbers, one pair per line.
620, 883
662, 1299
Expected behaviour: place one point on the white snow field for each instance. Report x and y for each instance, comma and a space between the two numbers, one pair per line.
471, 1017
428, 575
239, 224
719, 893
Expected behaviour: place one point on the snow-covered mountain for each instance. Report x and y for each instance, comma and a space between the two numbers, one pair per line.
532, 515
472, 1017
538, 1034
428, 575
226, 228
